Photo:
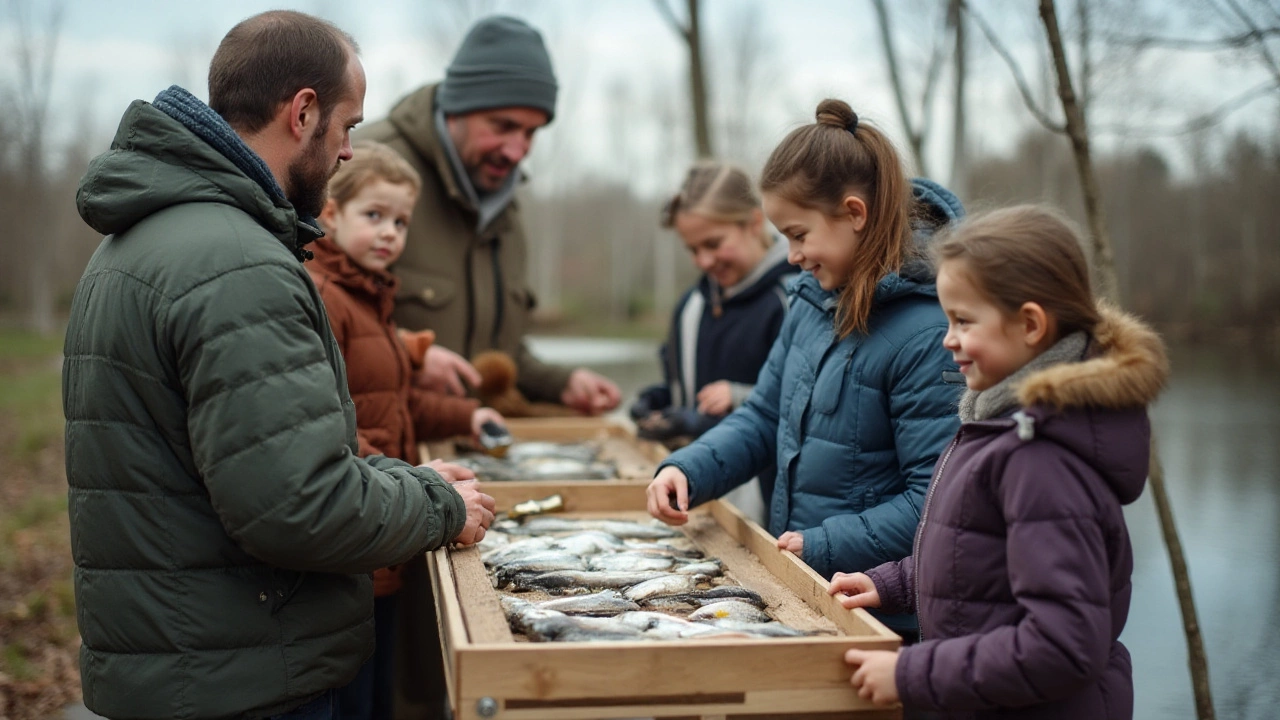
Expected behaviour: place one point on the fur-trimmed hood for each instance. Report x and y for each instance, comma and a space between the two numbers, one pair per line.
1127, 368
1096, 407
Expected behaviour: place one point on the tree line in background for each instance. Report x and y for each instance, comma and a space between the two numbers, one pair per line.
1197, 253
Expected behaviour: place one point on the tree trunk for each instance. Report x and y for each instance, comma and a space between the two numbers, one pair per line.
959, 147
1078, 134
914, 137
698, 84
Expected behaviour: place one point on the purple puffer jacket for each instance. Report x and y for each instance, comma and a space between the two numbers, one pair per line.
1020, 575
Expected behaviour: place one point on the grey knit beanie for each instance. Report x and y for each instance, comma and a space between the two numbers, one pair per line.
502, 63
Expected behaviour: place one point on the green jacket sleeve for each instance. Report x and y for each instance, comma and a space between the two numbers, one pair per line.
271, 433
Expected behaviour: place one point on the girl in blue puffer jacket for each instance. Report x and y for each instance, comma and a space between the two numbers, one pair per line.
852, 404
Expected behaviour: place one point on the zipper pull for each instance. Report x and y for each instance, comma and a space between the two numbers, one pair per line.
1026, 425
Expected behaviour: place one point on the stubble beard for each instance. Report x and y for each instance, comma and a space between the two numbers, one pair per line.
309, 176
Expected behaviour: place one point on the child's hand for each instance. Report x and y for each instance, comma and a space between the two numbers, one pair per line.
855, 589
670, 484
792, 541
874, 674
444, 371
715, 398
482, 416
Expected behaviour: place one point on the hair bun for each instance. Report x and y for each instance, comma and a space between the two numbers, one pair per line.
836, 113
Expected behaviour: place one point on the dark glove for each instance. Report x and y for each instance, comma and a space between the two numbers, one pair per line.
650, 400
675, 422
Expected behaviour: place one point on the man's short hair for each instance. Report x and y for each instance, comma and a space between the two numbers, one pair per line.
265, 60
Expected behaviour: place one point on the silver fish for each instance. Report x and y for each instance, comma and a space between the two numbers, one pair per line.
581, 452
631, 562
542, 525
603, 603
565, 628
761, 629
710, 568
560, 580
511, 551
589, 542
664, 585
542, 562
730, 610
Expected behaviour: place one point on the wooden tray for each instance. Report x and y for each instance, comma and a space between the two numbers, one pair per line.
635, 459
491, 674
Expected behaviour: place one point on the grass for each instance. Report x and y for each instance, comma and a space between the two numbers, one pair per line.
37, 602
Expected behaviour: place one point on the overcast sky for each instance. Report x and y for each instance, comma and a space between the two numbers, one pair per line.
622, 70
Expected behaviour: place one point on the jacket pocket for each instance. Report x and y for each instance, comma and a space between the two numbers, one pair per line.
432, 291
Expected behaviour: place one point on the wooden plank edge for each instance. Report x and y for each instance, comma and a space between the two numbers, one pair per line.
779, 703
808, 585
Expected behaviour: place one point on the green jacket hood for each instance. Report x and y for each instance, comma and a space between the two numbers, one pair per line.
155, 162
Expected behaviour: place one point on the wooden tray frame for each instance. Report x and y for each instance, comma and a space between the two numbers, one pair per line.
491, 675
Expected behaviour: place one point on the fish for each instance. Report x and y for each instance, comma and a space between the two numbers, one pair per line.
541, 562
631, 562
589, 542
668, 584
603, 603
761, 629
560, 580
564, 468
710, 568
581, 452
658, 626
667, 547
542, 525
698, 598
520, 548
730, 610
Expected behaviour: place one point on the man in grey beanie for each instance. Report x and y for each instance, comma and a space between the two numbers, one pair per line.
463, 272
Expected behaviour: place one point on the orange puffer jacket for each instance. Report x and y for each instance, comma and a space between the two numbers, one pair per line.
391, 414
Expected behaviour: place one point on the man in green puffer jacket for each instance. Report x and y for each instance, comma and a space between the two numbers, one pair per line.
222, 526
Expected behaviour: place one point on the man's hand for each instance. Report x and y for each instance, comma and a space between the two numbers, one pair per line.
590, 393
792, 541
480, 509
670, 483
444, 371
715, 398
854, 590
874, 674
450, 472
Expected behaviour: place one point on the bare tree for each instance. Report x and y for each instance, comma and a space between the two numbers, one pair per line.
741, 71
691, 33
959, 143
1077, 131
35, 48
917, 129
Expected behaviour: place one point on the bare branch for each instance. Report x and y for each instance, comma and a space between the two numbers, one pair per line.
1230, 42
1023, 88
914, 135
670, 16
1262, 46
1200, 122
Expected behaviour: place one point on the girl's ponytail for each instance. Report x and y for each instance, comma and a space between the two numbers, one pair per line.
818, 165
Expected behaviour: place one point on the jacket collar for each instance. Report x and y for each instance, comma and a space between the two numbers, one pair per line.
335, 265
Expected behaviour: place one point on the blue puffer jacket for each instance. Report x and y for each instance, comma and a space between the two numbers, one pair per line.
855, 425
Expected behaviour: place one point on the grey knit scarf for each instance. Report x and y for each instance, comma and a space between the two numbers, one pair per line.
1002, 397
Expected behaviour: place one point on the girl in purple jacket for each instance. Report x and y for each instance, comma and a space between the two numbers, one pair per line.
1020, 569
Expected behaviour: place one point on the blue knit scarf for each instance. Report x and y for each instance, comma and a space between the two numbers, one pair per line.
209, 126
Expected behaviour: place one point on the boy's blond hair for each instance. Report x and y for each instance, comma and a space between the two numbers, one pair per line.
371, 161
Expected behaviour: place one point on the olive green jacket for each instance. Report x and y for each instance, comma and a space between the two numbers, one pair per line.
470, 287
222, 526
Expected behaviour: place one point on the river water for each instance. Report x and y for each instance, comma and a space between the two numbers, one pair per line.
1218, 426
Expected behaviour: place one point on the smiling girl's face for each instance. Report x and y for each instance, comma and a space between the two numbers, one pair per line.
373, 225
818, 243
